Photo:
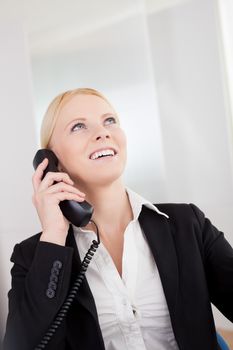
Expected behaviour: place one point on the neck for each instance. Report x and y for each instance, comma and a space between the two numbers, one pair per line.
112, 210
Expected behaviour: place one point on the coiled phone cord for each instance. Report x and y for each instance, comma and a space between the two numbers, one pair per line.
73, 292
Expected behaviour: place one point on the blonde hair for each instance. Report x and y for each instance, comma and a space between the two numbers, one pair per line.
52, 113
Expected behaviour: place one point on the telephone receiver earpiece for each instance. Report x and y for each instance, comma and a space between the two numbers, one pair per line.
77, 213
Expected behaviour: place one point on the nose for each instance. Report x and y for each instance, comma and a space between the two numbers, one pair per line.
101, 133
102, 137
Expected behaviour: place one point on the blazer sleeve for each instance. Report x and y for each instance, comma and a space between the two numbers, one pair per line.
218, 262
39, 287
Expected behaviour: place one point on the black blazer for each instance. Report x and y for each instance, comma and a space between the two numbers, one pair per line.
195, 264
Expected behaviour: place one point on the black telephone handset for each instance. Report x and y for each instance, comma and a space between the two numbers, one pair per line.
77, 213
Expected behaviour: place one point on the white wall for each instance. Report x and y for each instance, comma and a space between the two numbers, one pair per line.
17, 142
225, 10
188, 75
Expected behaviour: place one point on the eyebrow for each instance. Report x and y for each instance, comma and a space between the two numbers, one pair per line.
84, 119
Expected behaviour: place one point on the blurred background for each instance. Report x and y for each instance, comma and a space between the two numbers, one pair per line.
166, 66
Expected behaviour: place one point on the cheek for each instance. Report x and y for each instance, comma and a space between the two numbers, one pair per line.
122, 139
120, 135
70, 147
68, 156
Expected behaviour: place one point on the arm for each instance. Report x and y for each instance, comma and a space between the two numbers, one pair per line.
39, 288
218, 260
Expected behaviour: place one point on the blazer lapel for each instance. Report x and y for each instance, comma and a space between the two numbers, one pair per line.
159, 234
84, 295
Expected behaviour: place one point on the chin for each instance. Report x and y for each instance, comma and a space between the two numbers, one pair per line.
103, 180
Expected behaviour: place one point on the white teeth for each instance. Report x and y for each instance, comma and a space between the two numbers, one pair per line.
106, 152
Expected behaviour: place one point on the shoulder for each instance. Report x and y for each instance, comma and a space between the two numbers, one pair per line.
182, 211
188, 219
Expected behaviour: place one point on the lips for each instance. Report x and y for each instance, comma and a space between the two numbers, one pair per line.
103, 152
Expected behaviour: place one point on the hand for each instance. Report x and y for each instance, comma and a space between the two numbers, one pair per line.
46, 198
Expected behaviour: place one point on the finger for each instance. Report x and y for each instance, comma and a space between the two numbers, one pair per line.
63, 187
36, 179
52, 177
61, 196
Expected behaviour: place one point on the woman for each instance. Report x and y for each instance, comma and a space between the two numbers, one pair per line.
157, 268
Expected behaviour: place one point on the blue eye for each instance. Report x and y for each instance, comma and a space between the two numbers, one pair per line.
78, 126
110, 120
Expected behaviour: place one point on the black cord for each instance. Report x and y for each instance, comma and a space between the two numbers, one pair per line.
70, 298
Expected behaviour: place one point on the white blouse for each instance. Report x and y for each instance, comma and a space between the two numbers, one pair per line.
132, 310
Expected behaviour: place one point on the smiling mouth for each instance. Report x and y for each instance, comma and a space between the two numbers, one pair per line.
103, 154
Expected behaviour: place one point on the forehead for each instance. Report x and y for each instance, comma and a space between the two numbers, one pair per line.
85, 106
